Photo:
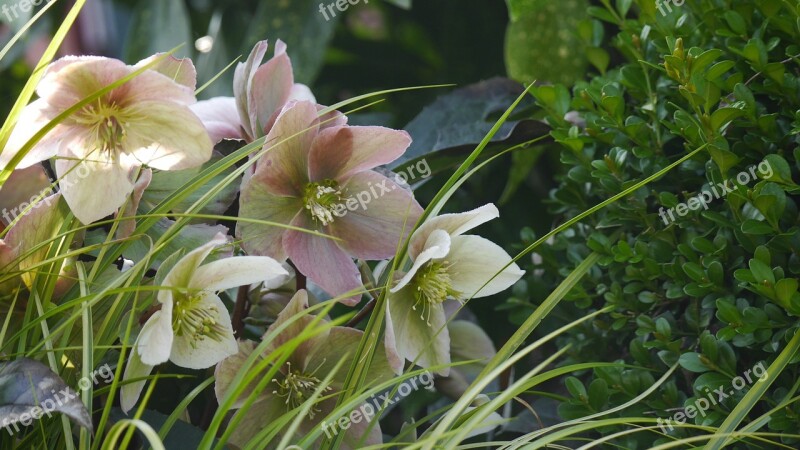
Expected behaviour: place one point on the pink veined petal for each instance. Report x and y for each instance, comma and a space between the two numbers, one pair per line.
73, 78
167, 136
454, 224
330, 120
242, 80
374, 228
415, 328
152, 86
234, 272
284, 167
338, 153
33, 118
220, 117
292, 321
270, 90
94, 189
257, 202
475, 260
437, 247
179, 70
322, 261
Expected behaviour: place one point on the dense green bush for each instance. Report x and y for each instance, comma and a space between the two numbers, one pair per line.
715, 290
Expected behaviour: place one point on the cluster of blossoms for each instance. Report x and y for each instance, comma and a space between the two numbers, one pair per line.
310, 164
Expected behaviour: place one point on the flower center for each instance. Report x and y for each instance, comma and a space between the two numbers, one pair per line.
107, 125
196, 319
297, 387
433, 286
322, 200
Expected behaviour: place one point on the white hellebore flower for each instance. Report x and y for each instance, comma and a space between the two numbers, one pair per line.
193, 329
446, 264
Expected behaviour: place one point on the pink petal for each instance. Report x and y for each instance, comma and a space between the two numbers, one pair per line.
242, 80
270, 90
284, 166
179, 70
220, 117
301, 92
72, 78
375, 227
322, 261
338, 153
257, 202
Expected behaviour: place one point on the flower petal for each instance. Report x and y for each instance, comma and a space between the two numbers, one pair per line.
291, 322
94, 189
193, 354
341, 343
474, 261
130, 392
455, 224
284, 167
438, 246
233, 272
251, 422
179, 70
242, 80
416, 337
32, 119
270, 89
301, 92
220, 117
73, 78
181, 274
375, 230
128, 226
156, 338
168, 136
228, 369
323, 261
340, 152
257, 202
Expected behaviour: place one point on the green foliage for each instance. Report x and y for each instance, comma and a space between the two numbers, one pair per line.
715, 289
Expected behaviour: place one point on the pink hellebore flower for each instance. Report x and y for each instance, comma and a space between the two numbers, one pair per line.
260, 94
99, 149
311, 172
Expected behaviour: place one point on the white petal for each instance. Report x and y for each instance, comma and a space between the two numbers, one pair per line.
233, 272
181, 274
130, 392
201, 354
33, 118
155, 340
437, 246
94, 189
455, 224
475, 260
